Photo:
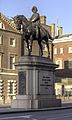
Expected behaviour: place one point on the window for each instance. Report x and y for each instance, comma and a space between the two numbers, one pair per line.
70, 64
2, 26
12, 87
59, 62
0, 61
1, 87
61, 50
12, 61
70, 50
1, 39
12, 42
55, 50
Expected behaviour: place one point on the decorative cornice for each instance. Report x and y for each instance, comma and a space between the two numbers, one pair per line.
64, 38
3, 17
11, 31
4, 73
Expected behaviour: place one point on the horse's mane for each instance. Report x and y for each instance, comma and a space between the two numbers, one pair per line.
24, 19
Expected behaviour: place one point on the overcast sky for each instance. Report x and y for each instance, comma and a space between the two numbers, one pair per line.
54, 10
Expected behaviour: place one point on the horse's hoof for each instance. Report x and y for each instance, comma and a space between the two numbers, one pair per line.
42, 54
29, 54
48, 56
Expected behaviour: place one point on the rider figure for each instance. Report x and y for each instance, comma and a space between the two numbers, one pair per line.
35, 19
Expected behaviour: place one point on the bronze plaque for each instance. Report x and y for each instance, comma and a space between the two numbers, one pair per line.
22, 83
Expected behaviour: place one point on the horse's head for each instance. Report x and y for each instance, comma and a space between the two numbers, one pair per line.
20, 21
17, 21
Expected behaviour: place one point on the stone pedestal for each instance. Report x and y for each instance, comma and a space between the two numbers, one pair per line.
35, 83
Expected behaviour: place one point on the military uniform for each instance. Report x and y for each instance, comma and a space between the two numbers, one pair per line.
35, 19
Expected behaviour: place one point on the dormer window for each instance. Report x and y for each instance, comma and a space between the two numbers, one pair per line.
2, 26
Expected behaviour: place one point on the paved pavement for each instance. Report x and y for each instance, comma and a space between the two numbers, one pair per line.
4, 109
7, 109
61, 114
66, 104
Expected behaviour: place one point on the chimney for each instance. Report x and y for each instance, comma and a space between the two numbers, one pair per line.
43, 20
52, 31
60, 30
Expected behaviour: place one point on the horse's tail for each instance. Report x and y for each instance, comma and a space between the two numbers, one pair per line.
50, 37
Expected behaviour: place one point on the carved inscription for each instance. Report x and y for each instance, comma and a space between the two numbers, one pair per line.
45, 82
22, 83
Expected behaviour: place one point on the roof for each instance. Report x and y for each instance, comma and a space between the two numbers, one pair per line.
9, 22
63, 73
63, 38
66, 35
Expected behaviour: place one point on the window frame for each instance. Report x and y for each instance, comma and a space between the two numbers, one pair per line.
2, 26
12, 42
13, 83
60, 64
55, 51
0, 61
70, 49
12, 61
61, 50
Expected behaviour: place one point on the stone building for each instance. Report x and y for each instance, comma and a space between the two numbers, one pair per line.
52, 30
63, 57
10, 50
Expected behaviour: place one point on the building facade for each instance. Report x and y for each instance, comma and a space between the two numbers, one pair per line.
10, 51
63, 57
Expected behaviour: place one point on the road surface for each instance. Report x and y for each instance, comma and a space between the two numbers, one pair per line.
64, 114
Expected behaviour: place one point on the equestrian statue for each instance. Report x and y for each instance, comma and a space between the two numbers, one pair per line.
33, 30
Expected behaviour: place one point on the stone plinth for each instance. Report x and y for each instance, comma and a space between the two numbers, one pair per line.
35, 83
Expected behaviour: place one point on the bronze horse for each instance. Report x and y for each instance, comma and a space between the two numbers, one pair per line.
29, 33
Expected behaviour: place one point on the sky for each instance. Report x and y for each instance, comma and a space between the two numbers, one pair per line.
56, 11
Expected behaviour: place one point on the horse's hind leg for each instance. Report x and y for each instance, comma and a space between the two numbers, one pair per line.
30, 45
40, 45
47, 44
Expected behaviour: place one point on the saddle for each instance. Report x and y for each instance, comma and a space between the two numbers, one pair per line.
39, 30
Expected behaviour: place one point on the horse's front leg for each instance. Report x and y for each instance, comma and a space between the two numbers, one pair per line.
31, 43
28, 46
